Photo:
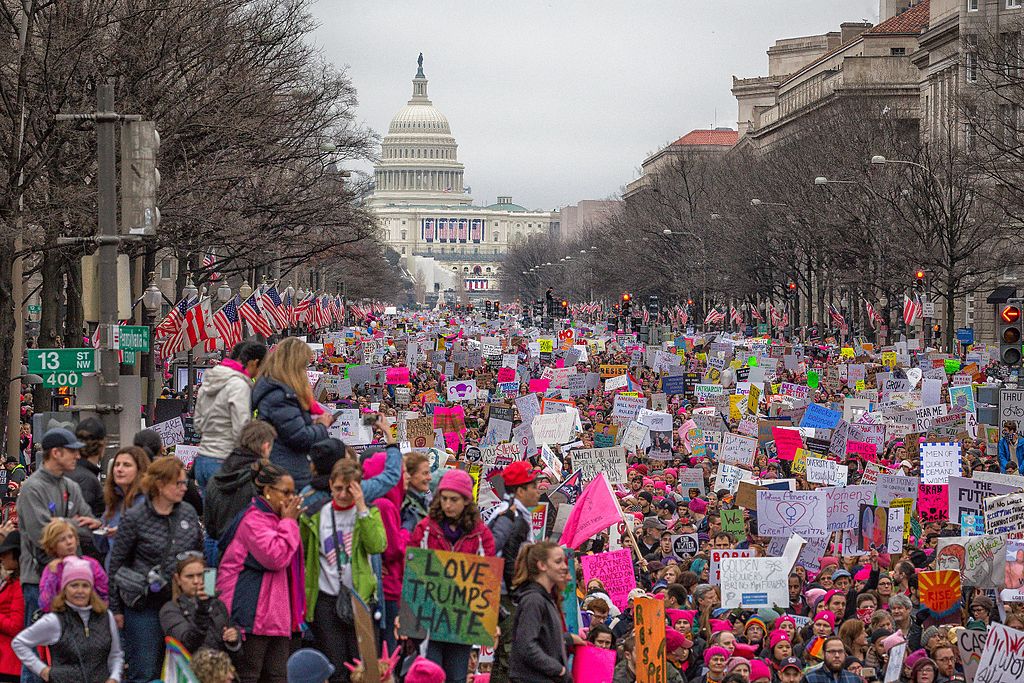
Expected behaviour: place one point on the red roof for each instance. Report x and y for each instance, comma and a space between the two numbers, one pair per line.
725, 137
912, 21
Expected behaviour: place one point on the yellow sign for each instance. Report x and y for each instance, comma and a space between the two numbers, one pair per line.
474, 472
736, 364
847, 352
859, 386
736, 405
753, 399
906, 504
547, 345
634, 394
889, 359
800, 461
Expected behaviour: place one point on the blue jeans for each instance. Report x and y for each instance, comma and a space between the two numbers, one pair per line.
204, 468
30, 592
452, 657
143, 642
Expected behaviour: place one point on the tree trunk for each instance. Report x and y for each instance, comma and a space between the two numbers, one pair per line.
74, 316
7, 321
51, 327
950, 296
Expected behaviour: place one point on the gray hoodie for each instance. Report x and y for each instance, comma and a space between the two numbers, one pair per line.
223, 406
42, 497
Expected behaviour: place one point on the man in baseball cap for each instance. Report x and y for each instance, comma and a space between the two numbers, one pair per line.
790, 670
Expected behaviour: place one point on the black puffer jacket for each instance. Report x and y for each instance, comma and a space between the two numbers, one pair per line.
278, 404
510, 530
147, 539
197, 623
539, 644
229, 491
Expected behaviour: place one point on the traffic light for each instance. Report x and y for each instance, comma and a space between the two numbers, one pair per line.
1008, 326
565, 307
497, 307
626, 298
140, 178
919, 275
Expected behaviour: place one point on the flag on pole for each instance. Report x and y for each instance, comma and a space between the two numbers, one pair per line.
172, 323
210, 261
228, 323
570, 488
714, 317
177, 663
756, 314
252, 313
595, 510
837, 316
735, 316
912, 309
274, 307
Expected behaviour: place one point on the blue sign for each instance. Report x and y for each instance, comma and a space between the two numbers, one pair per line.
673, 384
965, 335
820, 417
754, 599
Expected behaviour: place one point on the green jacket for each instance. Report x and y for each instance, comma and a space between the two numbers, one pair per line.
368, 538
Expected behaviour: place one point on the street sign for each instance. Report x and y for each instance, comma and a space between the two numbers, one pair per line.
928, 309
965, 335
62, 379
42, 361
35, 308
135, 338
129, 357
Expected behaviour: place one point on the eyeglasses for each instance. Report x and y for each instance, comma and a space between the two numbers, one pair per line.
946, 659
835, 652
284, 492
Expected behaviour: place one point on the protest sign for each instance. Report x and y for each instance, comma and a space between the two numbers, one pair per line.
844, 505
732, 523
462, 390
615, 570
894, 531
933, 502
592, 663
684, 545
896, 657
593, 461
553, 428
348, 426
940, 461
874, 528
755, 582
1002, 659
966, 496
892, 486
172, 432
822, 471
737, 450
1004, 514
787, 442
970, 643
628, 406
454, 597
715, 569
529, 407
783, 513
649, 630
728, 477
186, 454
979, 560
820, 417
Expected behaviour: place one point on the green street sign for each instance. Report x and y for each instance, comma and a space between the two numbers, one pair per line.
62, 379
762, 328
134, 338
44, 361
35, 308
129, 357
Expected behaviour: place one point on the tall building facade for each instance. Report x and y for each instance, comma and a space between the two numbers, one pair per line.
426, 214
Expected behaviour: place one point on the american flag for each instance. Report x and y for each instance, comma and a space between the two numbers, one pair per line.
912, 309
300, 310
735, 316
837, 316
873, 315
192, 330
209, 261
646, 316
756, 314
228, 323
172, 323
252, 313
714, 317
274, 307
777, 316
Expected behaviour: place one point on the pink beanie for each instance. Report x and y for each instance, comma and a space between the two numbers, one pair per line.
698, 505
676, 614
457, 481
424, 671
914, 657
825, 615
863, 574
719, 625
813, 595
648, 481
672, 471
76, 569
785, 618
711, 652
829, 595
777, 637
758, 671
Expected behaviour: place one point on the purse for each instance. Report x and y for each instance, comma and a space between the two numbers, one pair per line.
132, 586
343, 603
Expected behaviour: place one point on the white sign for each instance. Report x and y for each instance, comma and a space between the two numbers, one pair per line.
940, 461
172, 432
737, 450
1002, 660
593, 461
553, 428
844, 505
715, 576
628, 406
783, 513
755, 582
348, 426
462, 390
822, 471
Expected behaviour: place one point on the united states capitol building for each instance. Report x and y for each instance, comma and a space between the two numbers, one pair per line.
426, 214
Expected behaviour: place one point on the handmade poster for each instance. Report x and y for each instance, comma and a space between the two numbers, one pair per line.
529, 407
970, 642
894, 531
829, 472
593, 664
844, 503
980, 560
933, 502
940, 461
784, 513
186, 454
971, 524
820, 417
649, 631
715, 569
592, 461
1002, 659
755, 582
737, 450
634, 437
604, 435
728, 477
462, 390
172, 432
554, 428
895, 665
874, 528
732, 523
452, 596
961, 398
1004, 514
684, 545
615, 569
570, 601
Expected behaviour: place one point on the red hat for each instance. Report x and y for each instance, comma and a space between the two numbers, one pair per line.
519, 473
675, 640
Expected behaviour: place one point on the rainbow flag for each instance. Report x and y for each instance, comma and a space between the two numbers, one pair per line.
177, 663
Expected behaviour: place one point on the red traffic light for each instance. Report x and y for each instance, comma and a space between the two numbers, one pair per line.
792, 286
919, 274
1009, 314
625, 297
565, 304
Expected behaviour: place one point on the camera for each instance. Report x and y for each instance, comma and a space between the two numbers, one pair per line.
369, 419
155, 580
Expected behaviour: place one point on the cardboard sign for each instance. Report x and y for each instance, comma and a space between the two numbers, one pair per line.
966, 496
979, 560
970, 643
940, 461
737, 450
1004, 514
452, 596
615, 569
649, 629
592, 461
822, 471
784, 513
844, 505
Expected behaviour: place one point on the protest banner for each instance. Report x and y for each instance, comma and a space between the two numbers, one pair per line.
715, 568
967, 495
820, 417
1002, 659
787, 442
593, 461
783, 513
822, 471
615, 570
970, 643
728, 477
1004, 514
628, 406
933, 502
754, 582
874, 528
453, 597
980, 560
553, 428
844, 505
649, 630
172, 432
940, 461
732, 523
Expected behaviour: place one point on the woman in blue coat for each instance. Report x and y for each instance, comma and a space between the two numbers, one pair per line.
283, 397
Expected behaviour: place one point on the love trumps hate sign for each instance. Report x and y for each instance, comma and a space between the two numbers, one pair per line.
453, 597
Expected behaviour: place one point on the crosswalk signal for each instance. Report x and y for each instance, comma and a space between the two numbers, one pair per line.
1009, 330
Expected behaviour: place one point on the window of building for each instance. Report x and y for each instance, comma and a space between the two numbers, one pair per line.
1013, 4
488, 269
1011, 53
476, 270
403, 250
496, 236
165, 269
971, 67
972, 5
898, 51
404, 235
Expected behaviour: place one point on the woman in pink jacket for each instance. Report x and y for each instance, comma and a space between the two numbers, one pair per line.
393, 557
453, 523
261, 579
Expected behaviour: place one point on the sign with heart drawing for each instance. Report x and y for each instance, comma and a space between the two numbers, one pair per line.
783, 513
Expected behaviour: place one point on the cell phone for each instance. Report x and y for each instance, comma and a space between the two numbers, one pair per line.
369, 419
210, 581
867, 673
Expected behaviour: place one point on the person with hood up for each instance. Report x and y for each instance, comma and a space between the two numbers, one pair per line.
224, 406
452, 524
231, 489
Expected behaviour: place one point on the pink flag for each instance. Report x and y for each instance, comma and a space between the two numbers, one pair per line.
595, 510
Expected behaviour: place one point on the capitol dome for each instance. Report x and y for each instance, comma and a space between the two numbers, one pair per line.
419, 156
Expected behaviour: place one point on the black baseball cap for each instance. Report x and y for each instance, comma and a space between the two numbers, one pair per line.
667, 505
790, 661
60, 438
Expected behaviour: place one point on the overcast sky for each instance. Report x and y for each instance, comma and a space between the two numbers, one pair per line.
557, 101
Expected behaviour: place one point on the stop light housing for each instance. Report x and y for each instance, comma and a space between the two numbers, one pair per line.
1009, 331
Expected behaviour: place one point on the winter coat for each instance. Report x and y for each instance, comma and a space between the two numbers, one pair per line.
428, 534
42, 497
317, 493
49, 583
415, 506
147, 539
84, 646
12, 620
87, 476
197, 623
278, 404
511, 529
229, 492
393, 556
260, 577
105, 544
622, 673
223, 406
539, 641
368, 538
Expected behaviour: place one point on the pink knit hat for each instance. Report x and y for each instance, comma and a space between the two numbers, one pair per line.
719, 625
786, 618
76, 569
424, 671
758, 671
827, 616
813, 595
777, 637
457, 481
675, 640
711, 652
698, 505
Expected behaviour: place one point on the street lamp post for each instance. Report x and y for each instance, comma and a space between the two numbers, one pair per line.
151, 299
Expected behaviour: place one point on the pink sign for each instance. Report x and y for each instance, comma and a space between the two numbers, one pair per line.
863, 449
398, 375
615, 569
593, 664
787, 441
506, 375
539, 385
933, 502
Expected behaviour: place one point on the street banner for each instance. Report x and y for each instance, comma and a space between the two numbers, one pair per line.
452, 597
